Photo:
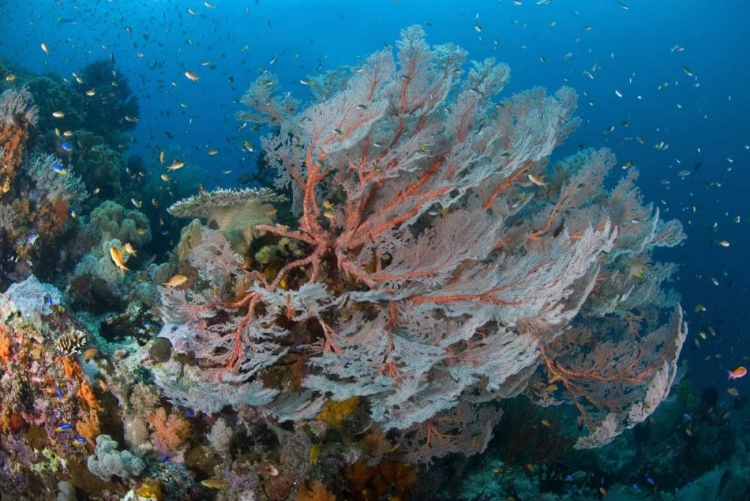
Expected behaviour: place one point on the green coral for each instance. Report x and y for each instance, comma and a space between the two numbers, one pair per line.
115, 222
281, 250
53, 462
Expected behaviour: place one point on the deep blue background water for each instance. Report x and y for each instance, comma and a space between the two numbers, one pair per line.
702, 118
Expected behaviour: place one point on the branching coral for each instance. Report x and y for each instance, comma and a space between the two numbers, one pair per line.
52, 181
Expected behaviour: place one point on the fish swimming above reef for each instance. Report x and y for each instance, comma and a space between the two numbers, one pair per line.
117, 258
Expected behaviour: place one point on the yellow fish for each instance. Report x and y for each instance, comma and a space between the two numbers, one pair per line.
175, 281
214, 483
114, 253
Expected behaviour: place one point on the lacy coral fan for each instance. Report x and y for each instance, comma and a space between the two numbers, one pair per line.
445, 264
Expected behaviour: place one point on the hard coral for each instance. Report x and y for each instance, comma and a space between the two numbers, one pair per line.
98, 164
115, 222
233, 212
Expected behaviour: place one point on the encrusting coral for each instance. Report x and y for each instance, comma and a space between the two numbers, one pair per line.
233, 212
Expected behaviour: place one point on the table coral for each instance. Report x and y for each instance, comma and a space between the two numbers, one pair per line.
233, 212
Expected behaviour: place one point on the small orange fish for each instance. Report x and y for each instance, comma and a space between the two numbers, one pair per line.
116, 256
176, 165
737, 373
89, 354
175, 281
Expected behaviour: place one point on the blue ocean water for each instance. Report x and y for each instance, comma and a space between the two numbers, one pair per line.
664, 84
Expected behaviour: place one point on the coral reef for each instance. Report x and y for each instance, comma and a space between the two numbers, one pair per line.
427, 279
236, 213
432, 277
18, 114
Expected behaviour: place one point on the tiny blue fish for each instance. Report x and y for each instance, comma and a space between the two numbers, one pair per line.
58, 167
48, 300
686, 415
190, 414
58, 392
635, 486
79, 440
569, 478
164, 232
164, 459
64, 426
66, 146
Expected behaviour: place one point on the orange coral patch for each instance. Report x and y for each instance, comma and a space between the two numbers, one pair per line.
5, 344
